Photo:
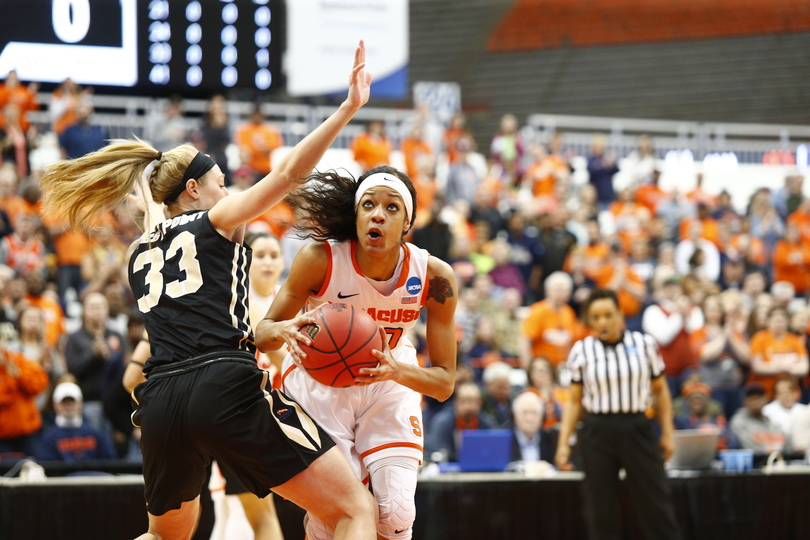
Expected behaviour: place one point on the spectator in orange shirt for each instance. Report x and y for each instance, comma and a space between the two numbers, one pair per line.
699, 195
801, 218
749, 246
551, 327
10, 201
544, 172
649, 194
457, 131
630, 219
22, 250
372, 148
54, 316
708, 225
617, 275
20, 381
70, 246
256, 140
416, 150
791, 260
597, 251
775, 351
15, 142
64, 104
24, 98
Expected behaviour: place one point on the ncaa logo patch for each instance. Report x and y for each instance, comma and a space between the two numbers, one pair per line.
413, 285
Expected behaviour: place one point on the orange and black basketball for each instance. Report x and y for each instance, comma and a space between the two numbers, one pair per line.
342, 339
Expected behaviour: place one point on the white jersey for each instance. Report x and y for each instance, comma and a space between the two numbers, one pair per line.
398, 311
382, 419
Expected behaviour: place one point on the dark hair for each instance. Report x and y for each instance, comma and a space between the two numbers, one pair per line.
326, 203
251, 237
598, 294
541, 360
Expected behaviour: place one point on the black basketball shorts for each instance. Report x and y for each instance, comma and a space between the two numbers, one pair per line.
215, 406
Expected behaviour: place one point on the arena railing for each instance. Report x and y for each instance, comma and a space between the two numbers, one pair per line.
749, 142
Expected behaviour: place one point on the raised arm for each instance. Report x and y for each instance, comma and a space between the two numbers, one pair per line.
231, 212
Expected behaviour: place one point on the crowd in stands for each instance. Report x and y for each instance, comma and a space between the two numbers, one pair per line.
723, 292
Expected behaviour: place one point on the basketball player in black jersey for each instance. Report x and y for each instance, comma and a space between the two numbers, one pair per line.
204, 395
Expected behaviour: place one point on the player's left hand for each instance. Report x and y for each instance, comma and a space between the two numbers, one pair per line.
387, 370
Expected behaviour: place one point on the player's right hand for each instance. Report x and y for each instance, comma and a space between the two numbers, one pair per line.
290, 332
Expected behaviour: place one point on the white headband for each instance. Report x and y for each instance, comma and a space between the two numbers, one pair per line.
389, 181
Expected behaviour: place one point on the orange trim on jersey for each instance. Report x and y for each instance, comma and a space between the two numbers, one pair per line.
284, 377
353, 254
328, 269
406, 264
425, 289
392, 445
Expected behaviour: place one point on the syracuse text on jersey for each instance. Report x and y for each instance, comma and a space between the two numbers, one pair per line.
393, 315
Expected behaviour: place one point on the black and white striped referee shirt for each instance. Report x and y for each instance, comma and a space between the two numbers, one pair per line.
616, 377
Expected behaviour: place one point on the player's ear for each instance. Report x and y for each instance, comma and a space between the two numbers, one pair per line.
193, 187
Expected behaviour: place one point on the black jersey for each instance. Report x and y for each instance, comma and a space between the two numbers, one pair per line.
192, 285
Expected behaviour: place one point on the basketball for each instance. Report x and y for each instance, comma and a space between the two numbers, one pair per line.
342, 339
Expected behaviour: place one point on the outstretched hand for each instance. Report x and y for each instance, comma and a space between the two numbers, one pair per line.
360, 80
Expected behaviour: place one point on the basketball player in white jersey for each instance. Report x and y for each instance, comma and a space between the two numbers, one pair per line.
361, 259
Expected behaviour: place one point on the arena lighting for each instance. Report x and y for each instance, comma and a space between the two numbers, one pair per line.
802, 158
716, 162
679, 161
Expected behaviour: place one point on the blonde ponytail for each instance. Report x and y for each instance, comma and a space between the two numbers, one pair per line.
85, 188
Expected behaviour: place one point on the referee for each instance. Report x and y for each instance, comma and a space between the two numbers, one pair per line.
615, 375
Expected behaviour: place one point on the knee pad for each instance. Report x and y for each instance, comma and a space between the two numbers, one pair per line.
393, 480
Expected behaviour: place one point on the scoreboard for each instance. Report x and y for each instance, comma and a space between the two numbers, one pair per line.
152, 47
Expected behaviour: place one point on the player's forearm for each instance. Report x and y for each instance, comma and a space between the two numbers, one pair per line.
663, 407
267, 336
435, 381
571, 414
